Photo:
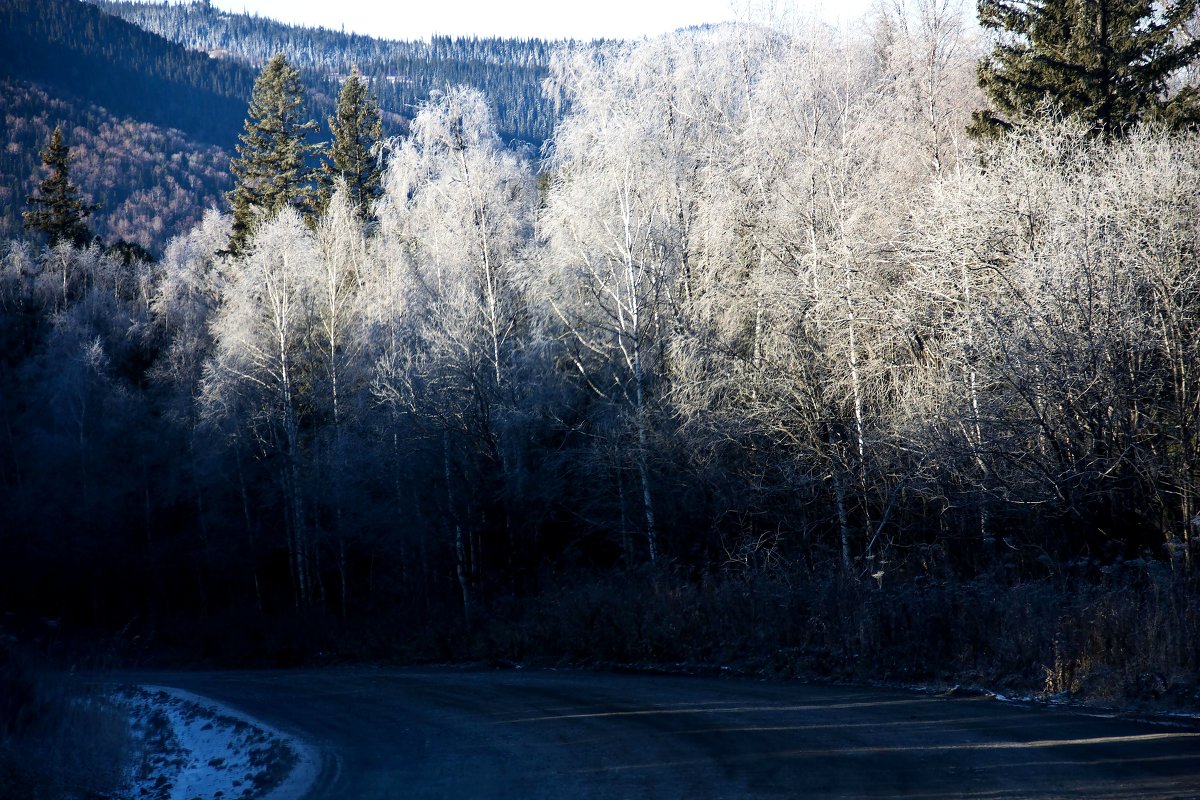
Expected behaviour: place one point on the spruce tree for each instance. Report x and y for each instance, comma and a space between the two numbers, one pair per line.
271, 169
59, 211
357, 129
1107, 63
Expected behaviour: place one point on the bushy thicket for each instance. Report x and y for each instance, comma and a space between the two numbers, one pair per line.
1129, 637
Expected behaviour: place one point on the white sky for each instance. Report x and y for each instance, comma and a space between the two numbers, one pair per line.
548, 19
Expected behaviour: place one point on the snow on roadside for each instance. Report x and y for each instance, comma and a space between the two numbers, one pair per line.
192, 747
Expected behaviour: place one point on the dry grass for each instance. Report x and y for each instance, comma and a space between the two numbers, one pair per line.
59, 738
1129, 635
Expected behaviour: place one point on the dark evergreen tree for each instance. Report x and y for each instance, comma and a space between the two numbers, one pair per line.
59, 211
271, 169
1105, 62
129, 253
357, 129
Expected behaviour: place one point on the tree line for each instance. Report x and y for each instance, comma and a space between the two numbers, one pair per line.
766, 359
402, 74
142, 74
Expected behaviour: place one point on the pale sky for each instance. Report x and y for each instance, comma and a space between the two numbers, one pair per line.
548, 19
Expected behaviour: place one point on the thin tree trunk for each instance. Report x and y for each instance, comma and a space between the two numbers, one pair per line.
633, 283
460, 555
971, 376
839, 494
856, 396
250, 539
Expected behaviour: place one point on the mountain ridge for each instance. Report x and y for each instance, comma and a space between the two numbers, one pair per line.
401, 73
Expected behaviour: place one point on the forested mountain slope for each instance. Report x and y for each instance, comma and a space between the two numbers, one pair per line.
150, 123
402, 73
151, 182
764, 363
76, 50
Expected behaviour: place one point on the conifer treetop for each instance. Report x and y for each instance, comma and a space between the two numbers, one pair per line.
271, 169
58, 210
352, 156
1107, 63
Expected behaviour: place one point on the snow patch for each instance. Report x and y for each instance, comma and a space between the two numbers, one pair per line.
192, 747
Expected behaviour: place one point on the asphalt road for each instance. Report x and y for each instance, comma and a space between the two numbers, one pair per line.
562, 734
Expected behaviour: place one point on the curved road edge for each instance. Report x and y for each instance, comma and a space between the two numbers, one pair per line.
210, 738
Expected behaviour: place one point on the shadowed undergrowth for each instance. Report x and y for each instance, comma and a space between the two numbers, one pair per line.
59, 738
1130, 637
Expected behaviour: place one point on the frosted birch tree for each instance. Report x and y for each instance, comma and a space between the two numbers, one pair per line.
342, 259
928, 56
194, 279
827, 187
612, 261
260, 374
457, 211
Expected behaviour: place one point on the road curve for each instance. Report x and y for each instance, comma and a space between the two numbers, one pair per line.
442, 733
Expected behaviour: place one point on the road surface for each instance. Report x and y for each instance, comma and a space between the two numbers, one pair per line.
522, 734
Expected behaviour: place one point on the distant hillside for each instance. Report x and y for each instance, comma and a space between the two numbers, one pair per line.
402, 73
151, 182
150, 123
77, 51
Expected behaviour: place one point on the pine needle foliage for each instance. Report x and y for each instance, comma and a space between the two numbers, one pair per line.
58, 211
352, 155
1107, 63
271, 170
